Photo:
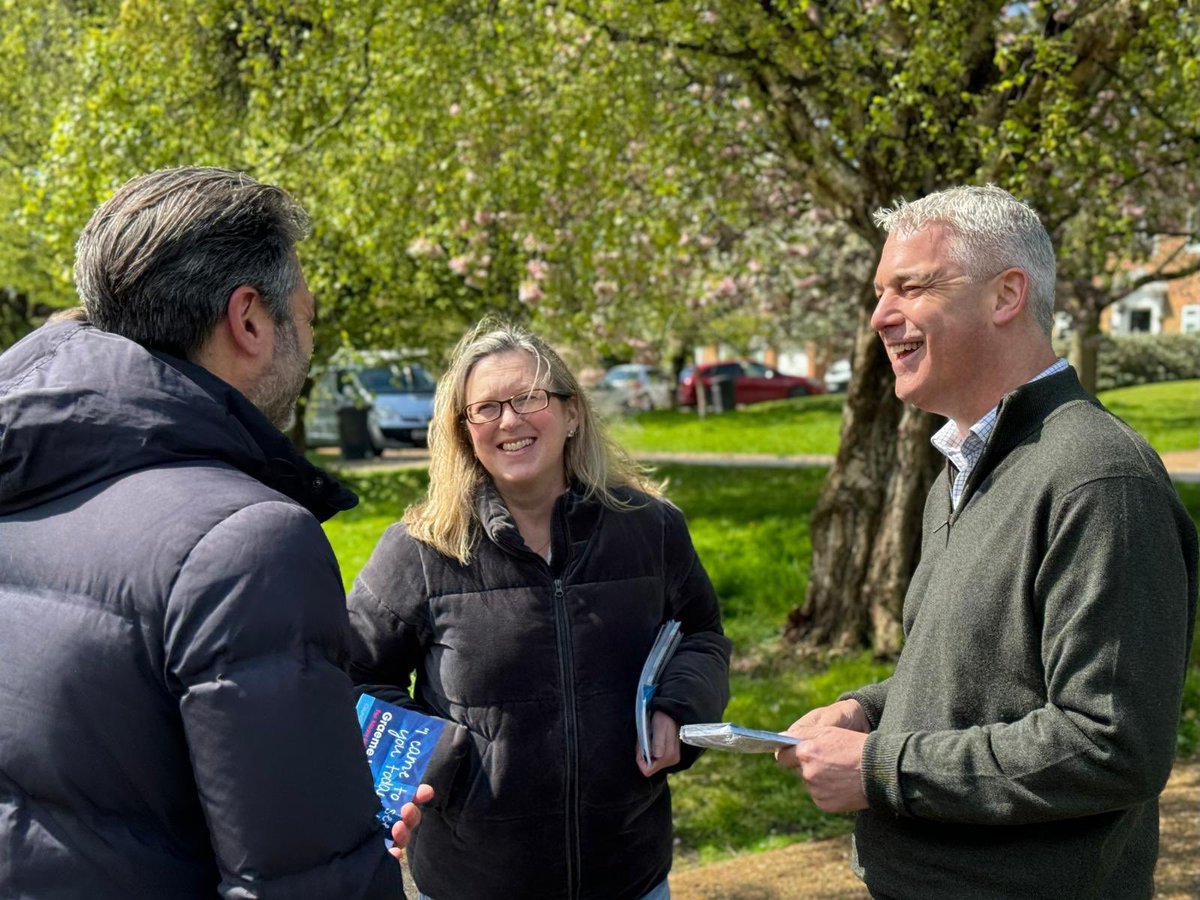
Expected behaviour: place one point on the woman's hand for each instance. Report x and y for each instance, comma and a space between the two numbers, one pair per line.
410, 818
664, 745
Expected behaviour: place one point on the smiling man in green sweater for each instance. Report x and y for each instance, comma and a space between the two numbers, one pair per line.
1020, 746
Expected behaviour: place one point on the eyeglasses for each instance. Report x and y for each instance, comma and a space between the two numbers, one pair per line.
531, 401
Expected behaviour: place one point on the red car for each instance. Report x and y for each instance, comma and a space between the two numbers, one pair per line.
752, 382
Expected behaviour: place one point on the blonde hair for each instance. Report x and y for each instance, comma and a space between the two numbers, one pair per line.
446, 519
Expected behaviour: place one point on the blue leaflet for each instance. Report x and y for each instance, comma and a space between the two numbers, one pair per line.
399, 744
665, 642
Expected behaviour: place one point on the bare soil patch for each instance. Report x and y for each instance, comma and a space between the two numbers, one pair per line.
820, 870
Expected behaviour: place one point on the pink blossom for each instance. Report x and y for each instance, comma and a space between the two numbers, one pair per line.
536, 269
424, 248
460, 265
530, 293
454, 109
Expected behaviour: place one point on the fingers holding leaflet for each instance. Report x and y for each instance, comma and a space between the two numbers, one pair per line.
410, 818
664, 745
830, 762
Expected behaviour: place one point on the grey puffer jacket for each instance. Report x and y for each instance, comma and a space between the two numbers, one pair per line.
174, 720
540, 664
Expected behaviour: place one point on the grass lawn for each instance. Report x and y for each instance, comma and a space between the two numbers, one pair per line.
804, 425
1166, 414
751, 528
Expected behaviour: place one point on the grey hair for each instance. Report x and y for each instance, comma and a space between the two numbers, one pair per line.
991, 230
159, 259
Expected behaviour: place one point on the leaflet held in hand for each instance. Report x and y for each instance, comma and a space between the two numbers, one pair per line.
400, 743
727, 736
665, 643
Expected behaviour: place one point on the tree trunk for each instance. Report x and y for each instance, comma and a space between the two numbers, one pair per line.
866, 529
1084, 352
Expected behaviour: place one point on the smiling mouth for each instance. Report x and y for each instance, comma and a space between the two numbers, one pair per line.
513, 446
899, 351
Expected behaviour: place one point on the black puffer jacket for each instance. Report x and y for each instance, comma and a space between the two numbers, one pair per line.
173, 718
540, 663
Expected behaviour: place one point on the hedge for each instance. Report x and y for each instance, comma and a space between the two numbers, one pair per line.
1130, 359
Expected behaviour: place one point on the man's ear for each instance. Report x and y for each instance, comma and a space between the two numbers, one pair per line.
249, 321
1012, 292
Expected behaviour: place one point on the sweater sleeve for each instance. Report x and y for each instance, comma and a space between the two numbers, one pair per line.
694, 686
254, 635
872, 698
1115, 603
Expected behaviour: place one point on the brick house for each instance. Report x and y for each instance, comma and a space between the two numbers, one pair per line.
1160, 307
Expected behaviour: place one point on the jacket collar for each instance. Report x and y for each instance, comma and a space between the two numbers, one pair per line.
79, 406
278, 464
573, 520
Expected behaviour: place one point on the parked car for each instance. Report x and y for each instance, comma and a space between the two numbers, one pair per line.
837, 376
636, 387
752, 382
395, 390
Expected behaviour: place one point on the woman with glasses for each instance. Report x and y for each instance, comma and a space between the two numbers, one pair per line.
525, 592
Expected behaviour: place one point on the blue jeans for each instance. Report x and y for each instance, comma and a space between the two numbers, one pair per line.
661, 891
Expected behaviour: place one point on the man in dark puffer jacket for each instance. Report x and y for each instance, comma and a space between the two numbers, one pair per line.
174, 719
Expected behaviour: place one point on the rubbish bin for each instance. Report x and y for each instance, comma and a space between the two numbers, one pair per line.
354, 436
720, 392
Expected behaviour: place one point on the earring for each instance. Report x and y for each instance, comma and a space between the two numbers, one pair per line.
571, 433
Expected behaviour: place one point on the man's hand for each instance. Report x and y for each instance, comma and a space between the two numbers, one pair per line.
664, 745
843, 714
410, 818
829, 757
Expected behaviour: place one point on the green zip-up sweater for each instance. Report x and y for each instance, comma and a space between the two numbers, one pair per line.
1020, 746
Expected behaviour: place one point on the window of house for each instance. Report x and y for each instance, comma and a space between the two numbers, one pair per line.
1189, 319
1139, 321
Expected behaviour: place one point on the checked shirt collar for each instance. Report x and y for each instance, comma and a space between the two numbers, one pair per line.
964, 452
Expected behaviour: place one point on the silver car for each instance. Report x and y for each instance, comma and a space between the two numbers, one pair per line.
396, 392
634, 387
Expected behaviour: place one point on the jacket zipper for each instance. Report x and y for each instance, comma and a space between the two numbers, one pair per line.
566, 667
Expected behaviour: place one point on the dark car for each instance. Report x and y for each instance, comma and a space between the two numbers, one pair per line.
752, 382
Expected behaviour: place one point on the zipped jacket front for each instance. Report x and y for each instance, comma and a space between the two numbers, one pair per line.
540, 663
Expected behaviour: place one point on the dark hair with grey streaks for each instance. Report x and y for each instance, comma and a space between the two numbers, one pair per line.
159, 259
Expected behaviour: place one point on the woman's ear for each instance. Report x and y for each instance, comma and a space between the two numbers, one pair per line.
572, 415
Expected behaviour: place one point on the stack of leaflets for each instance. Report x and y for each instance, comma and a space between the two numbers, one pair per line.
727, 736
668, 639
400, 743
